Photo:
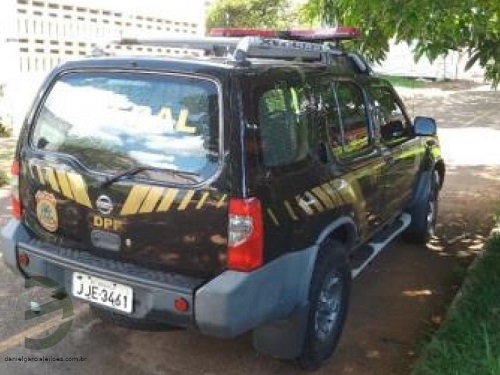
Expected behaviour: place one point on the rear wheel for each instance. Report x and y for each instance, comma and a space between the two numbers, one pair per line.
328, 301
129, 322
424, 215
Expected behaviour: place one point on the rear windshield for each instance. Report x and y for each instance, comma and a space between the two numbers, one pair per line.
112, 122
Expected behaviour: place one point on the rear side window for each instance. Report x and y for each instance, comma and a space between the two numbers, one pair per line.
112, 122
284, 117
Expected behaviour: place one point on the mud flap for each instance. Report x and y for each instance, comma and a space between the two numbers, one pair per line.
283, 338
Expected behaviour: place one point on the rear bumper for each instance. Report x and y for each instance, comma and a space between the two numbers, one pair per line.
228, 305
154, 291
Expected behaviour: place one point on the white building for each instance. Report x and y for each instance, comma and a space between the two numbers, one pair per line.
400, 61
36, 35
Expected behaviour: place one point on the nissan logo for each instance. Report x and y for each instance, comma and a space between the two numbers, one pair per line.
104, 204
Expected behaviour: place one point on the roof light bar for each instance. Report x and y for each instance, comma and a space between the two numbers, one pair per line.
235, 32
307, 35
324, 35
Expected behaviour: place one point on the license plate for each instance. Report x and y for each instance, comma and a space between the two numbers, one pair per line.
103, 292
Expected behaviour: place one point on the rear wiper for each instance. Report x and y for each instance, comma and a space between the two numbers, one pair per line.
189, 176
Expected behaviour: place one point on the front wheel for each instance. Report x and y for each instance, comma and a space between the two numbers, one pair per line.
328, 302
424, 215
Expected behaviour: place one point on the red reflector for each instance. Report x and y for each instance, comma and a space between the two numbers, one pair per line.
181, 304
14, 196
246, 235
23, 260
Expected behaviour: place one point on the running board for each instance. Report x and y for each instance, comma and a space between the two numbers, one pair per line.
368, 252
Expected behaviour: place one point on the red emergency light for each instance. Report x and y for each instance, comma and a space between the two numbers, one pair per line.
335, 34
235, 32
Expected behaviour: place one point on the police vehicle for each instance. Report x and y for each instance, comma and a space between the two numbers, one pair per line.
237, 189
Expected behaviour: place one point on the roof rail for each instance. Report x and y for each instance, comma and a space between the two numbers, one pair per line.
234, 48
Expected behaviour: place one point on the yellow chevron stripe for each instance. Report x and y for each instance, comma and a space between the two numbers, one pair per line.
221, 201
64, 183
202, 200
290, 210
323, 197
151, 200
186, 200
328, 189
168, 200
79, 189
273, 217
135, 199
51, 178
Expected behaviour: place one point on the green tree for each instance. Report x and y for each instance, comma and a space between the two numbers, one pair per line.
251, 13
469, 26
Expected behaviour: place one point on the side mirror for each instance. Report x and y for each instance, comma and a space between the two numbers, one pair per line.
424, 126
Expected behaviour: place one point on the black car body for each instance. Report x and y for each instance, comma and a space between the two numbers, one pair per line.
221, 195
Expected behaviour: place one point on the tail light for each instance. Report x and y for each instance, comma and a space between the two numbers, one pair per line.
246, 235
14, 195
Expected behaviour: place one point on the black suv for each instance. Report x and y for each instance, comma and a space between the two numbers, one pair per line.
240, 189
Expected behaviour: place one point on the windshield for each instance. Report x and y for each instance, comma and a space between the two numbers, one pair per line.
112, 122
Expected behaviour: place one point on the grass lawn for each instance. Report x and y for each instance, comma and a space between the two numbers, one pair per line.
468, 343
411, 83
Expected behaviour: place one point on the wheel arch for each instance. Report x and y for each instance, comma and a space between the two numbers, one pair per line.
343, 229
284, 338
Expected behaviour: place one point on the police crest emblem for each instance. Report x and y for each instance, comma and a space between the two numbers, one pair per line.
46, 211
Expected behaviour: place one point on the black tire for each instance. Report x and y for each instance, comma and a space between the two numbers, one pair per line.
129, 322
322, 332
424, 215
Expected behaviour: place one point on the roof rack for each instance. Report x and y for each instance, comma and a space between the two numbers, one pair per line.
234, 48
239, 45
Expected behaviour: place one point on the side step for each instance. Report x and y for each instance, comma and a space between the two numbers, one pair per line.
365, 254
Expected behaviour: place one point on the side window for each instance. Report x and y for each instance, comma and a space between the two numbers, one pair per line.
389, 115
284, 122
354, 117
